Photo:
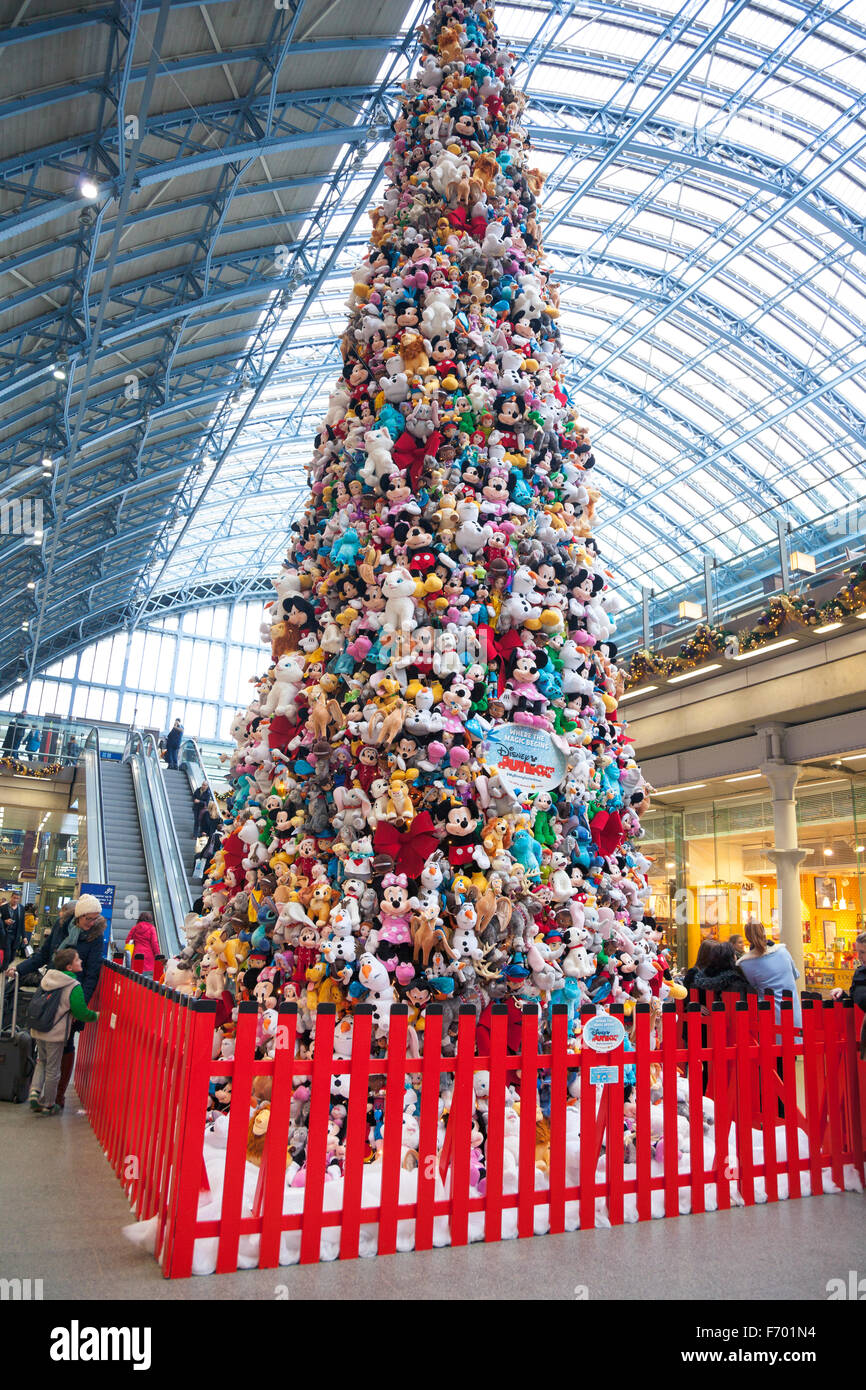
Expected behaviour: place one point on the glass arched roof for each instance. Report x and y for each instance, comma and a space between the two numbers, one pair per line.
705, 207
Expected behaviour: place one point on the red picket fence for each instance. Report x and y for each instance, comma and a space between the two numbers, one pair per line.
143, 1074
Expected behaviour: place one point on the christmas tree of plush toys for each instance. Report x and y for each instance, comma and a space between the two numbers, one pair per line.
434, 797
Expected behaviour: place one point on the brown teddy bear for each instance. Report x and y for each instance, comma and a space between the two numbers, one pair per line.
476, 286
450, 43
413, 356
485, 170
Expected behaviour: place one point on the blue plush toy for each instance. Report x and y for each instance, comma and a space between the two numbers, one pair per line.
345, 549
527, 852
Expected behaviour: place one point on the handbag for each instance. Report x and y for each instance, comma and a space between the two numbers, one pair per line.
200, 843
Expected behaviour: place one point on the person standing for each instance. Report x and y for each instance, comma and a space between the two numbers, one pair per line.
82, 925
144, 943
172, 743
51, 1044
13, 928
31, 745
200, 799
770, 967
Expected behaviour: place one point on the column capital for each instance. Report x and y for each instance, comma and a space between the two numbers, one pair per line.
782, 777
782, 857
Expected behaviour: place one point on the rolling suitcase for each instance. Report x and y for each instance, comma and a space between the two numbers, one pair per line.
17, 1051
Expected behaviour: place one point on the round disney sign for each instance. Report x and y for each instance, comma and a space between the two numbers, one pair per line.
526, 758
604, 1033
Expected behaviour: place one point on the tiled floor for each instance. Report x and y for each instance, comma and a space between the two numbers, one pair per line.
61, 1213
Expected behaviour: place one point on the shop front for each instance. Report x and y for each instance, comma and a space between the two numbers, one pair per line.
711, 874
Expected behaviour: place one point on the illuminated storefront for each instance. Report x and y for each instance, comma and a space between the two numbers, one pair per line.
711, 873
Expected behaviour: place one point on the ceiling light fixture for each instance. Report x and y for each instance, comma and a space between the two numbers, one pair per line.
766, 649
690, 675
88, 187
631, 694
801, 563
687, 787
827, 627
747, 777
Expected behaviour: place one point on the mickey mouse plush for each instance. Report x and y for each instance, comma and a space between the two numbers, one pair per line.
461, 835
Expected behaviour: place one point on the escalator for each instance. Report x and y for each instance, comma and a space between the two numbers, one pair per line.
128, 838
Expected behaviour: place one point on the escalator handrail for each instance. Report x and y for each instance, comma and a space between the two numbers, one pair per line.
161, 852
97, 859
175, 863
192, 762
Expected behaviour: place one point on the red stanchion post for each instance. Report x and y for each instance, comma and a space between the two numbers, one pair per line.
186, 1150
528, 1107
723, 1102
276, 1144
588, 1145
558, 1105
670, 1128
495, 1147
356, 1131
392, 1133
428, 1167
317, 1134
695, 1033
169, 1140
851, 1086
745, 1067
460, 1123
770, 1091
614, 1140
643, 1060
834, 1044
814, 1063
243, 1070
789, 1095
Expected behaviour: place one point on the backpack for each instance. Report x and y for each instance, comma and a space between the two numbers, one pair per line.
44, 1009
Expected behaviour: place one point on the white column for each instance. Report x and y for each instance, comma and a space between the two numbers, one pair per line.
787, 857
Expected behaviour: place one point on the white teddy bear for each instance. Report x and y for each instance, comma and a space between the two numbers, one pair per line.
377, 445
437, 318
398, 589
495, 243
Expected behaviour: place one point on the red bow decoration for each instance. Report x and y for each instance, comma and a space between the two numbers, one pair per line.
408, 848
607, 831
408, 454
500, 647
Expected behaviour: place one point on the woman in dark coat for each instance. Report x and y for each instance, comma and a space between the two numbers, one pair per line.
200, 799
716, 971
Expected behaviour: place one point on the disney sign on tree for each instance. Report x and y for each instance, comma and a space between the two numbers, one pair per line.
434, 796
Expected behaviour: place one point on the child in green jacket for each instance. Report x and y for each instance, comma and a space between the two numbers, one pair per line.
65, 965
